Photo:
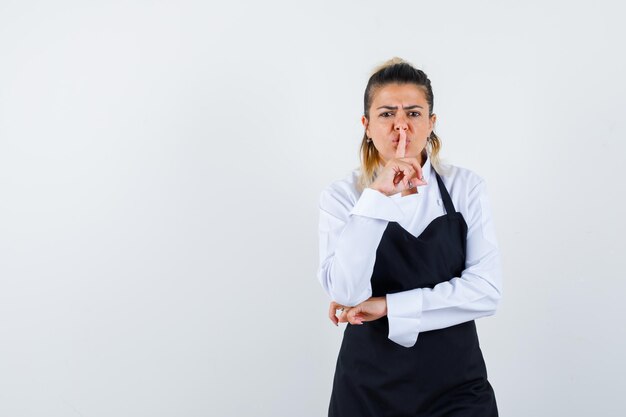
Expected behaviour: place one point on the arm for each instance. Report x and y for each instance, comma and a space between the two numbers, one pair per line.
348, 240
476, 293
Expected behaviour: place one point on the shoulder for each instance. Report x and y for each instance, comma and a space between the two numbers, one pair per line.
459, 177
342, 194
465, 186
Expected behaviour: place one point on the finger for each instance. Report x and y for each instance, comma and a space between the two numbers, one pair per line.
408, 183
332, 313
419, 174
404, 173
352, 316
401, 149
398, 178
333, 310
408, 172
343, 317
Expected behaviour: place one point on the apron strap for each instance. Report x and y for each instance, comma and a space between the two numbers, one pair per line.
447, 201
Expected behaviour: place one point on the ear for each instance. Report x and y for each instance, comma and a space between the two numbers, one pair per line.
433, 119
364, 122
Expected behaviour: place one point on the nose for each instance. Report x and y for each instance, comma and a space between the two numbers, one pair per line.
400, 124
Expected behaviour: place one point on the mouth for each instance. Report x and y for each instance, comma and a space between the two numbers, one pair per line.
396, 141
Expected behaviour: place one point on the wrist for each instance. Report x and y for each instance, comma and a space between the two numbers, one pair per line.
384, 300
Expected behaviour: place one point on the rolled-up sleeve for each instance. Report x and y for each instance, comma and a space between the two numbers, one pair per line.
349, 236
476, 293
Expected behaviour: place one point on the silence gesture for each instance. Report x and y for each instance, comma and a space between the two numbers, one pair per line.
400, 173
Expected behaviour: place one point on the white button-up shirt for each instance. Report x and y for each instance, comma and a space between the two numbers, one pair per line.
351, 226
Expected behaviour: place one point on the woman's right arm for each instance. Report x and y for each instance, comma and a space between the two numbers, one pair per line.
348, 239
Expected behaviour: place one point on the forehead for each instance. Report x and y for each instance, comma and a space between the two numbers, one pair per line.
399, 93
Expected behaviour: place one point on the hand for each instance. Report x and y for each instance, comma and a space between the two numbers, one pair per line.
332, 312
369, 310
399, 171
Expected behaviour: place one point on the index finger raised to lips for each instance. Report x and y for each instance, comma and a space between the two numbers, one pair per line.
401, 149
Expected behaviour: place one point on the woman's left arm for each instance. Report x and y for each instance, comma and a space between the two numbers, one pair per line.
476, 293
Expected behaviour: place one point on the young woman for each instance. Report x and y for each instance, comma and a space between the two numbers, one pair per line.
408, 254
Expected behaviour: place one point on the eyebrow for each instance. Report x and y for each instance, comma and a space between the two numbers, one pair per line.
396, 107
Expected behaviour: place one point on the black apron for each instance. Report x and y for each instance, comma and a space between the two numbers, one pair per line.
444, 373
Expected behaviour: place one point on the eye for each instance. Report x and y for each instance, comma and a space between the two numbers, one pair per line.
385, 113
415, 112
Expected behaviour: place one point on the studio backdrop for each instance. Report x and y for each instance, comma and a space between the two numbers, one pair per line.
161, 164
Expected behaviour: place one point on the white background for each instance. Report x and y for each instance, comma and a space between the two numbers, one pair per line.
160, 168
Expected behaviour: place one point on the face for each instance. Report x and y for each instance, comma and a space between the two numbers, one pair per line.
398, 107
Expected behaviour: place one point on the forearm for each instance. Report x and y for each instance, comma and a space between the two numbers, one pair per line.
347, 273
349, 239
461, 299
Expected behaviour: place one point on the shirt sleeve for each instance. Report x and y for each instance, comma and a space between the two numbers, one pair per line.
476, 293
348, 240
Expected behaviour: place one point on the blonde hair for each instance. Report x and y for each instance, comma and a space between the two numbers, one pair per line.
394, 71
